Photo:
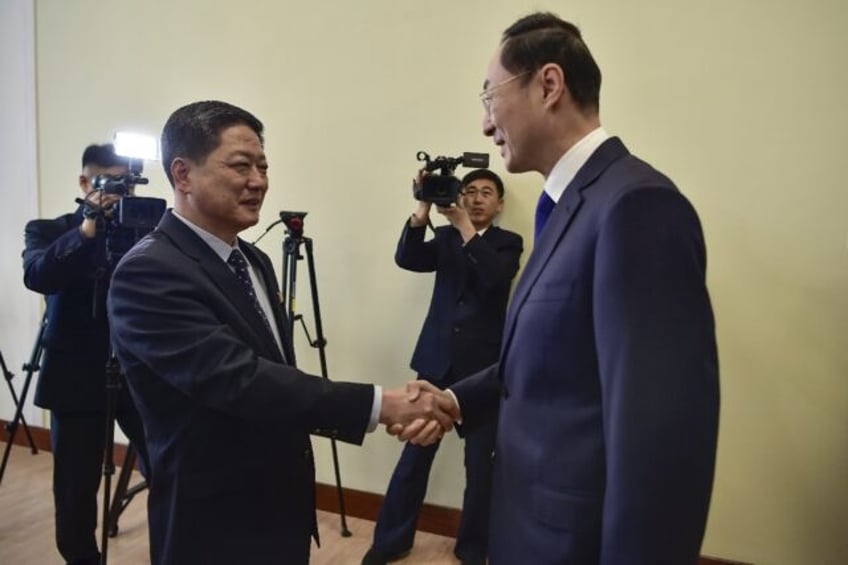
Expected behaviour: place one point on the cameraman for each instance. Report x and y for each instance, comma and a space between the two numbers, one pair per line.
65, 259
475, 263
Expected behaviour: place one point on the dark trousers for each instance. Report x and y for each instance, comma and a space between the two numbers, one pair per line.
396, 524
79, 440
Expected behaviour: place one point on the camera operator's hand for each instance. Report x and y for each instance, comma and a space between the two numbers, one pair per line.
458, 216
421, 215
422, 211
95, 203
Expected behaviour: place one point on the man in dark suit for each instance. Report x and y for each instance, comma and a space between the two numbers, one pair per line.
65, 260
608, 378
199, 330
475, 263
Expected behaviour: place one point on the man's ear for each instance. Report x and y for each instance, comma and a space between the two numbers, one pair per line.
180, 169
553, 83
84, 184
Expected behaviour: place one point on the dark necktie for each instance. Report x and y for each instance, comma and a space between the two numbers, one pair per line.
237, 262
543, 210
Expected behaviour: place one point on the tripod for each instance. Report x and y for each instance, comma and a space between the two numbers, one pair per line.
30, 367
291, 254
113, 506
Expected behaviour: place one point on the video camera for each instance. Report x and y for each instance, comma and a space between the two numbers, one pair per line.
131, 217
136, 212
443, 189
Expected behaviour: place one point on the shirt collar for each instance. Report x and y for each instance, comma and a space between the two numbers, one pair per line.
221, 248
566, 168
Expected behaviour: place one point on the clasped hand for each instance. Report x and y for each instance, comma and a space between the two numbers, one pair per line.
96, 203
420, 414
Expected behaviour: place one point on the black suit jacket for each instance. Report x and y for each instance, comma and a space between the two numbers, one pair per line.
462, 331
608, 379
68, 269
227, 422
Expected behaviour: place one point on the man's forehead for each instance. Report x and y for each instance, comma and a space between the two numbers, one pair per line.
495, 69
479, 183
251, 152
94, 169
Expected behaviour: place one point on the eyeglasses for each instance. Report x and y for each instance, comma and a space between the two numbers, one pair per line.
472, 192
487, 95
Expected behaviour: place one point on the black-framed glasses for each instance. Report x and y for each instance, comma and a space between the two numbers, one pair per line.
473, 191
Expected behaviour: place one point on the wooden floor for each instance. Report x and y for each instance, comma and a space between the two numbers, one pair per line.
26, 525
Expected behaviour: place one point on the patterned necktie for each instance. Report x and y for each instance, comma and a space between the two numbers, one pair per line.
543, 210
237, 262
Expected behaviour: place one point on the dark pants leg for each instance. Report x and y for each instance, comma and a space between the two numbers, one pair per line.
473, 537
395, 529
78, 439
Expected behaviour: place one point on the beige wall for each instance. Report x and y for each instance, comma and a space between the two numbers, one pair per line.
19, 308
741, 102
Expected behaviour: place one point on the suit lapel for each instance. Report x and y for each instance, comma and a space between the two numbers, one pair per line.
557, 225
220, 274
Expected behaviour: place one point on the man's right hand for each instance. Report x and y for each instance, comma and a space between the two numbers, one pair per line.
421, 215
422, 211
96, 203
424, 430
421, 413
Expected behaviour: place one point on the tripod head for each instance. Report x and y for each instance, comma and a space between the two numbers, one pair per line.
293, 222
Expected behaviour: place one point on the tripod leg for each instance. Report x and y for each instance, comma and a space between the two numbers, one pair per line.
6, 454
117, 506
345, 532
12, 427
112, 386
14, 424
32, 448
321, 344
30, 368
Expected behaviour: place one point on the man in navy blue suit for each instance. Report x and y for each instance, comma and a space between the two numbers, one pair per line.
65, 260
608, 378
475, 263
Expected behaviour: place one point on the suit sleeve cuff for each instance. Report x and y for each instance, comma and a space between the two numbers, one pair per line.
376, 406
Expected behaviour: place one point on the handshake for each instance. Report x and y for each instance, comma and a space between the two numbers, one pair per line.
421, 414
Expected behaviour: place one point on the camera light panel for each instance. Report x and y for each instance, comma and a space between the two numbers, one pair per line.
136, 146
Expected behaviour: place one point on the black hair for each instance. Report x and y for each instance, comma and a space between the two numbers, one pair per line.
103, 156
541, 38
194, 131
487, 175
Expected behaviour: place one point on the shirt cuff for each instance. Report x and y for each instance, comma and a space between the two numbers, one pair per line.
455, 401
376, 406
